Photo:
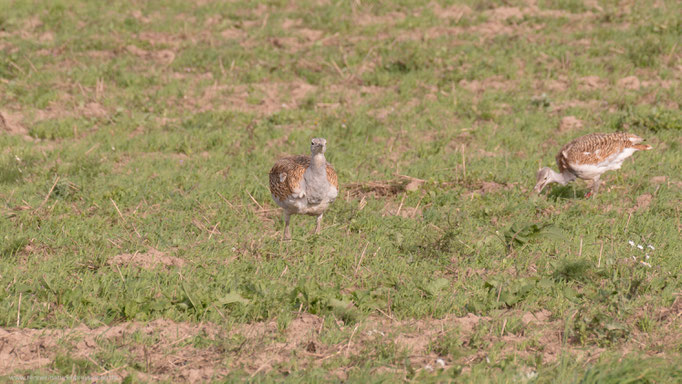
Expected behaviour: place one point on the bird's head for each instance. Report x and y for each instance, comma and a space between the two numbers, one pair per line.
318, 145
544, 177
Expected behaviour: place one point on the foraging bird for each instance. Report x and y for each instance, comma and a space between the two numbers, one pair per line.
304, 184
589, 156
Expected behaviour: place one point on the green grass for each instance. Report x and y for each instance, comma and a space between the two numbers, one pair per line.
142, 126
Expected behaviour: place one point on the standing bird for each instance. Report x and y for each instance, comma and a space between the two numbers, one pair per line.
589, 156
304, 184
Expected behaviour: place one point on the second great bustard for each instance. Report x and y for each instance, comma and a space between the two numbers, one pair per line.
589, 156
304, 184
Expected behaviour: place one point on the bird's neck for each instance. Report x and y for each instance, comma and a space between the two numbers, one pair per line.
562, 178
318, 162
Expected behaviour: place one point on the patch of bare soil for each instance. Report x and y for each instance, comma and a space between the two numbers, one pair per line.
559, 84
383, 188
665, 84
492, 83
366, 19
500, 21
592, 105
265, 98
262, 346
233, 34
147, 260
504, 13
591, 83
453, 12
674, 312
99, 54
630, 82
94, 109
643, 201
11, 123
570, 123
154, 39
486, 187
164, 56
398, 209
166, 358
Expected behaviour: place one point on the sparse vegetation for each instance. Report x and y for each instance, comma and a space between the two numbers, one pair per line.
138, 239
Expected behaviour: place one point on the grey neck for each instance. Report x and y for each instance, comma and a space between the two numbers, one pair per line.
318, 162
316, 179
562, 178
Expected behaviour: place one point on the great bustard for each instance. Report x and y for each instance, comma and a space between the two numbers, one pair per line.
304, 184
589, 156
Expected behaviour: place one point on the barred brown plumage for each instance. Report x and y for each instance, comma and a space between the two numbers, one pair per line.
294, 167
304, 184
589, 156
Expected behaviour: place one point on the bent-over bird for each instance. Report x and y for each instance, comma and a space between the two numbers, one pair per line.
587, 157
304, 184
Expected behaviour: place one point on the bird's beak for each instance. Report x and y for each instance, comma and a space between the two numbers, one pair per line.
539, 187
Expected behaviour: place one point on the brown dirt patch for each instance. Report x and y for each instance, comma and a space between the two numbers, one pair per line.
673, 312
365, 19
166, 358
263, 98
560, 84
630, 82
486, 187
165, 56
11, 123
383, 188
537, 317
492, 83
168, 351
233, 34
147, 260
454, 12
591, 83
161, 39
399, 209
94, 109
592, 105
500, 21
570, 123
504, 13
643, 202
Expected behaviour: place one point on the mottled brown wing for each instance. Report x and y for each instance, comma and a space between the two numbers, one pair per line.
561, 161
594, 148
331, 176
286, 175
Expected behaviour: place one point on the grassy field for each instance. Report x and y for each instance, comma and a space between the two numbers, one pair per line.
139, 241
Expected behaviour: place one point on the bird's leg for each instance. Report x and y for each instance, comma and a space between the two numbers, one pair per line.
287, 232
319, 224
595, 187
